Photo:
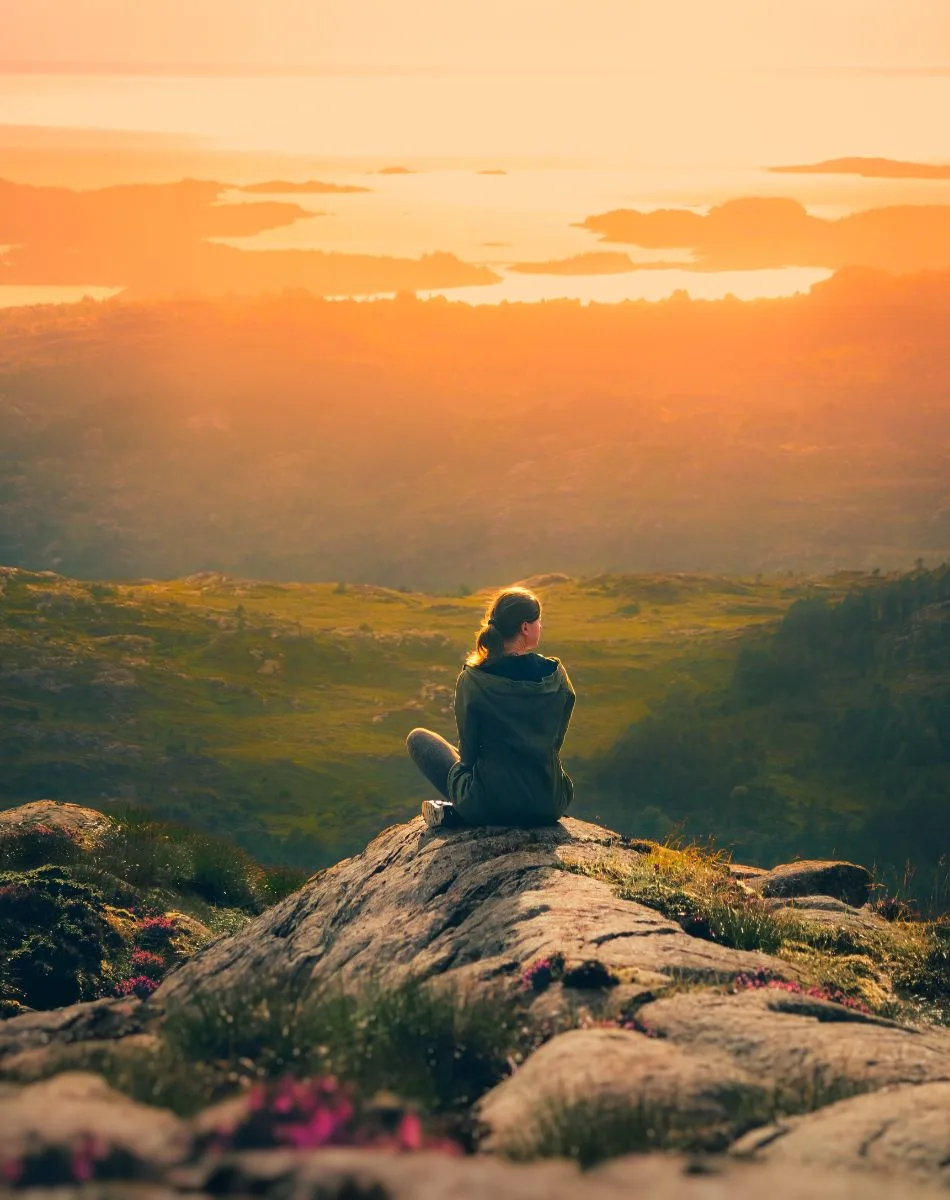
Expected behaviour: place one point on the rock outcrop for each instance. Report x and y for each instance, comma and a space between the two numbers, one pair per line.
611, 1069
637, 1013
85, 825
478, 904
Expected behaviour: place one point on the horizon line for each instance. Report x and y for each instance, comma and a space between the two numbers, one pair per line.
344, 70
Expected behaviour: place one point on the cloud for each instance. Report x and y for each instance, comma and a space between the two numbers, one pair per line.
757, 233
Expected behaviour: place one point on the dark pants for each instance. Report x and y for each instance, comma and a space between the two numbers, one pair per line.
433, 755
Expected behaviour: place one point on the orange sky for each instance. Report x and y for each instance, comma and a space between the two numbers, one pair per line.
493, 33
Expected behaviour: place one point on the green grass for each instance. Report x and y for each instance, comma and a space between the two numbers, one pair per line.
161, 692
899, 970
434, 1045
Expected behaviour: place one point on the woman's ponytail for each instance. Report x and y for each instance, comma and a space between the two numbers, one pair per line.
502, 621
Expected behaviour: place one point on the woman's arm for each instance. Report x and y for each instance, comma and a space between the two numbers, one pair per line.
466, 720
569, 700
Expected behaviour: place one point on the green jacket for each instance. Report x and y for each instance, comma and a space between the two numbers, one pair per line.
510, 736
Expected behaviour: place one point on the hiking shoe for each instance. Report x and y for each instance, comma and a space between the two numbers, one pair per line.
436, 813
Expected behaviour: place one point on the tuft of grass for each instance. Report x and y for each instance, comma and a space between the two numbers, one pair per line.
593, 1130
900, 971
434, 1044
169, 857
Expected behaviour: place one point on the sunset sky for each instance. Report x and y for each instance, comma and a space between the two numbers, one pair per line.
479, 33
511, 124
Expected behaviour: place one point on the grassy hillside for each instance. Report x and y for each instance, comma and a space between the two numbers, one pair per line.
763, 712
277, 713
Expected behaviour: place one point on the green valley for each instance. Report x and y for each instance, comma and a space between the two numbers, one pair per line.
276, 714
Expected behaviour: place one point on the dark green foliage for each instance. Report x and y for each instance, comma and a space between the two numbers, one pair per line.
832, 736
172, 856
54, 938
929, 977
56, 945
279, 882
36, 846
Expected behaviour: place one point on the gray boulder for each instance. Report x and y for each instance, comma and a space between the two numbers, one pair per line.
95, 1020
85, 825
816, 877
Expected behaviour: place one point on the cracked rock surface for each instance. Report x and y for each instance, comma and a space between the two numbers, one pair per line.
479, 906
482, 901
899, 1130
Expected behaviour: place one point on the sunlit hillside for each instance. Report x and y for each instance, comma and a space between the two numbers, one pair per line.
281, 710
277, 713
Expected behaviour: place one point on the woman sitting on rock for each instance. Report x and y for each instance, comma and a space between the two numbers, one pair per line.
512, 708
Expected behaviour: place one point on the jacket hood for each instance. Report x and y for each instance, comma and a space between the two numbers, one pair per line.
498, 685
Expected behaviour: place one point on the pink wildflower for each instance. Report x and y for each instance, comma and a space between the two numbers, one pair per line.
145, 962
543, 972
137, 985
762, 979
11, 1170
411, 1136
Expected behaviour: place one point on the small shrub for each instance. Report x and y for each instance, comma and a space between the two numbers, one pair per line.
138, 853
893, 908
222, 874
37, 846
155, 933
136, 985
145, 962
173, 857
927, 973
280, 882
55, 940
